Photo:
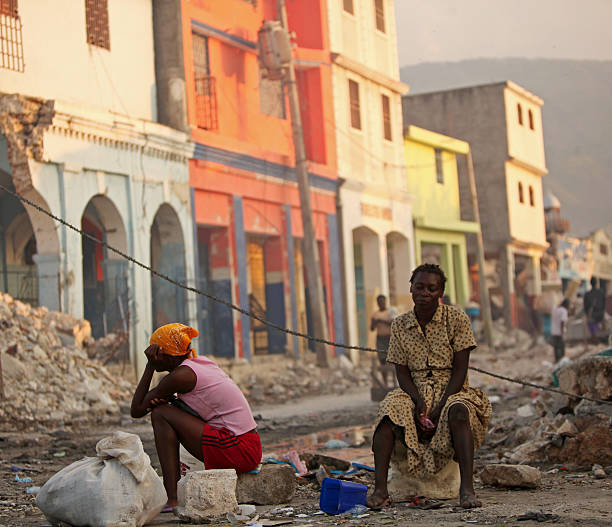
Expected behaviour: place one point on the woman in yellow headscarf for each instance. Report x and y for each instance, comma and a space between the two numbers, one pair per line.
210, 416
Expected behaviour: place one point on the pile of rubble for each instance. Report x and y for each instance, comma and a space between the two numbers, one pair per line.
555, 429
48, 376
277, 378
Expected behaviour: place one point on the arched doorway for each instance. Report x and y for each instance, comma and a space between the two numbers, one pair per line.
368, 277
18, 276
105, 279
168, 258
29, 248
399, 268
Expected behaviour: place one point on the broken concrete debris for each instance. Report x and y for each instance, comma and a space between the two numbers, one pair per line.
49, 378
522, 476
273, 485
207, 494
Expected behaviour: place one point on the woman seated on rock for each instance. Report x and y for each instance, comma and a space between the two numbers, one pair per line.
434, 414
210, 417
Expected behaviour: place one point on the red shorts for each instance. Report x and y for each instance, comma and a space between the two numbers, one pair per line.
222, 449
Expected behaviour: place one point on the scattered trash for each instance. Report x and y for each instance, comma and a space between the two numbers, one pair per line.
494, 399
424, 503
294, 460
32, 490
15, 468
538, 516
357, 510
22, 480
322, 474
336, 443
59, 454
314, 461
363, 467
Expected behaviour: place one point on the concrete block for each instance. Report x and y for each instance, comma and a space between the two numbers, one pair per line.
275, 484
207, 494
442, 485
511, 476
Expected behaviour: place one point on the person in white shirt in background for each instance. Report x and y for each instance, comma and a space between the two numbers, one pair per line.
557, 330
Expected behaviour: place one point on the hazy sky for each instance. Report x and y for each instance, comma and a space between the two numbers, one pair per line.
450, 30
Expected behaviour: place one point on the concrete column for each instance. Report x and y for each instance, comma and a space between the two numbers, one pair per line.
48, 270
506, 258
537, 276
450, 272
241, 266
293, 311
336, 279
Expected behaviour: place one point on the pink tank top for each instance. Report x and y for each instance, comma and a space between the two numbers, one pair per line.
217, 398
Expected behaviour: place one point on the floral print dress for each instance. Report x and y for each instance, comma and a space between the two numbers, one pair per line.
429, 356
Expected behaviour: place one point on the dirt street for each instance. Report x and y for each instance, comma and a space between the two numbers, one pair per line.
306, 425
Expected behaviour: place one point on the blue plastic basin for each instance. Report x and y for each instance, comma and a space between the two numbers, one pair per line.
338, 496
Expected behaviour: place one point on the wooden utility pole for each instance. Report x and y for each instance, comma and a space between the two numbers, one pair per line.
311, 252
485, 304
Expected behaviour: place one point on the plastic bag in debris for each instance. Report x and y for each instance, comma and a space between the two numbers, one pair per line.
118, 488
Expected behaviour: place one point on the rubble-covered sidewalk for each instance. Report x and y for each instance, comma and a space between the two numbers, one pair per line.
49, 420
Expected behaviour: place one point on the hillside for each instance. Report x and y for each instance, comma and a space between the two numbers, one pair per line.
577, 123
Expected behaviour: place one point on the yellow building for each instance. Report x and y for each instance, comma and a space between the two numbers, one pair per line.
439, 232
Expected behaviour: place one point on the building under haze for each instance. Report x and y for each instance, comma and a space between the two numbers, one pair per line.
375, 205
502, 122
79, 137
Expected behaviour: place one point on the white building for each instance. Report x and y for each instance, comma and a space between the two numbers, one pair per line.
78, 137
376, 209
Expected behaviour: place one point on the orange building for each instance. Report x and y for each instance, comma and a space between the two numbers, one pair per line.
244, 190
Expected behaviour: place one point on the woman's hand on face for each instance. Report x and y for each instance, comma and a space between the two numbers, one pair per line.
151, 352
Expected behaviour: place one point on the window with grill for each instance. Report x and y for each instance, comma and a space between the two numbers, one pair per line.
96, 20
519, 112
349, 7
379, 8
354, 103
11, 44
603, 249
439, 167
386, 113
205, 84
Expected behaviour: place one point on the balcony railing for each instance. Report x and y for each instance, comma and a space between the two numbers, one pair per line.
206, 102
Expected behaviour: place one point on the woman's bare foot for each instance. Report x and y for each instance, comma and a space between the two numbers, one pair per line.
378, 499
468, 500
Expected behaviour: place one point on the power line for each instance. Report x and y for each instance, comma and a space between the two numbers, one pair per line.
263, 320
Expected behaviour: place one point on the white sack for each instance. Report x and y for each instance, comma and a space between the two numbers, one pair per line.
119, 488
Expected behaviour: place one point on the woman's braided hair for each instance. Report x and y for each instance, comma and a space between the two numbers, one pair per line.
430, 268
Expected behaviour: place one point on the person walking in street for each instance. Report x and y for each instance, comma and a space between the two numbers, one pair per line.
381, 323
435, 415
594, 307
210, 416
557, 328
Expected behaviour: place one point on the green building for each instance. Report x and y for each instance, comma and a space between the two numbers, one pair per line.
439, 231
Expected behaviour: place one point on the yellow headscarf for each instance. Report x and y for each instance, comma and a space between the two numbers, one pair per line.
174, 339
